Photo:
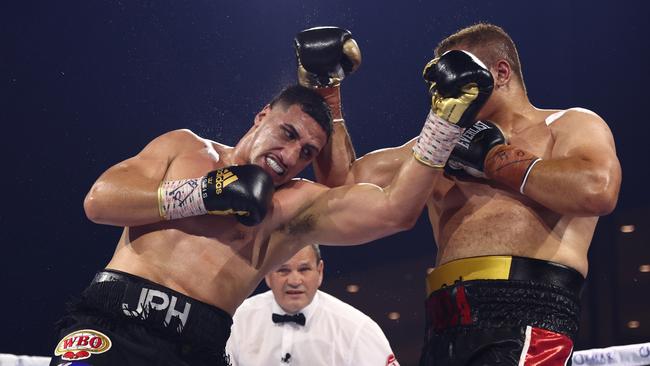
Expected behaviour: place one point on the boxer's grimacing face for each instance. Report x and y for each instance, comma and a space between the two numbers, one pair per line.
286, 140
295, 282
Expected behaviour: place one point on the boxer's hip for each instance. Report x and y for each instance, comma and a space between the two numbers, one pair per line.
125, 297
128, 320
503, 291
500, 310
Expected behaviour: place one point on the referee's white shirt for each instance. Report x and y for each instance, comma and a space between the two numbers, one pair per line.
335, 334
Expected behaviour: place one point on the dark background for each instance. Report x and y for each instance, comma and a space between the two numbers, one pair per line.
85, 84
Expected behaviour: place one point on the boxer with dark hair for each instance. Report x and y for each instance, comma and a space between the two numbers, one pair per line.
513, 218
204, 223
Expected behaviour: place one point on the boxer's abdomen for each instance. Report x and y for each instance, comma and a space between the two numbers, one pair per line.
203, 266
478, 222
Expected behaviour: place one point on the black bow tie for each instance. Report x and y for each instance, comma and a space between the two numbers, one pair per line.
296, 318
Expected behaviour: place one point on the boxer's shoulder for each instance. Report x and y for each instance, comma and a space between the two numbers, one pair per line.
570, 118
577, 126
173, 144
182, 135
186, 140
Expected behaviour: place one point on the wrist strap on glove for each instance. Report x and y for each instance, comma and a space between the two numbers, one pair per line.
436, 141
180, 198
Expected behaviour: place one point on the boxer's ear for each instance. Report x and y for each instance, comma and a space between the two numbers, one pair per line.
501, 72
259, 117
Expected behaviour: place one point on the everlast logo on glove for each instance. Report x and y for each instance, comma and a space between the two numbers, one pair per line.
470, 132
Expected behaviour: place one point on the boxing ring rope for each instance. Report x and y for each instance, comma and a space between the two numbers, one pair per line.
628, 355
7, 359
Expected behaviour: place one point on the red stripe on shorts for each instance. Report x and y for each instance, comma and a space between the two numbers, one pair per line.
545, 348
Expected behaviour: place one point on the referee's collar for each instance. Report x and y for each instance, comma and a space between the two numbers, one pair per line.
307, 311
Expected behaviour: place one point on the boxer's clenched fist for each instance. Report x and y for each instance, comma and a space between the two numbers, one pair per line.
459, 85
325, 56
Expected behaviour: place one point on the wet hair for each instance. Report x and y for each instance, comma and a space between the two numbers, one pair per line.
309, 101
490, 43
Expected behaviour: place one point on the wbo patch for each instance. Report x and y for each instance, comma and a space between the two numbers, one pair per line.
82, 344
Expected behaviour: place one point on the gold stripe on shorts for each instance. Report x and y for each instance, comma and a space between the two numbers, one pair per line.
495, 267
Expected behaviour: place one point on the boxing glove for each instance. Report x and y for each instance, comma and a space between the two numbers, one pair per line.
468, 156
242, 190
482, 152
325, 55
459, 85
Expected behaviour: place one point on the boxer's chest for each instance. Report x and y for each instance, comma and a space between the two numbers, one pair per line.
450, 195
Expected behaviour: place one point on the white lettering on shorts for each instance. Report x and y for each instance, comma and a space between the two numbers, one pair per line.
154, 300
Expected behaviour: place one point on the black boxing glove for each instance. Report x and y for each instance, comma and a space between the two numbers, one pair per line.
459, 85
482, 152
325, 56
241, 190
468, 156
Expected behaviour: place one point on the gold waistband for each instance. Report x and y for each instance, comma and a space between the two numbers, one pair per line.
475, 268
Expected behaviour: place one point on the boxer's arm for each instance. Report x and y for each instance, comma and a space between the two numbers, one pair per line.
332, 165
380, 166
325, 56
359, 213
127, 193
376, 167
583, 175
459, 85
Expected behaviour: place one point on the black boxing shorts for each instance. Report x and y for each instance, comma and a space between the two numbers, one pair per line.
501, 310
122, 319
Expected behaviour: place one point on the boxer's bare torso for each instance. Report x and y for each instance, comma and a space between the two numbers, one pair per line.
474, 218
211, 258
216, 259
479, 217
